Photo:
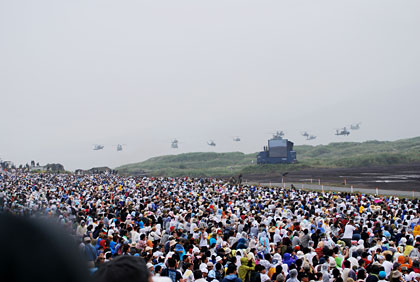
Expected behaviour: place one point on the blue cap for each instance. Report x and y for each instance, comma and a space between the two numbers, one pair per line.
382, 274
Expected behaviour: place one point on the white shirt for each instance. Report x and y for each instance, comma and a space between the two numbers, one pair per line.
264, 277
388, 267
348, 231
203, 239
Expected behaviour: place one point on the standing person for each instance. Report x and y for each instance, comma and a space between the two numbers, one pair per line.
203, 238
245, 269
188, 274
347, 271
387, 264
89, 252
81, 228
263, 273
172, 272
348, 233
304, 240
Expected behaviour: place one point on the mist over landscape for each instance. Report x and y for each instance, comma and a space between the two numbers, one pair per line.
143, 73
210, 141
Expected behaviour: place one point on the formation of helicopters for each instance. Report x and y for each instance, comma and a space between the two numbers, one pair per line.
355, 126
276, 135
308, 136
345, 132
98, 147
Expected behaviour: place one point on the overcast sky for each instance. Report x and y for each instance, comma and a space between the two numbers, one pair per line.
78, 73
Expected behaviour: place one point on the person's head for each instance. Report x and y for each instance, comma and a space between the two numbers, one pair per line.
260, 268
101, 258
336, 273
171, 263
205, 272
382, 274
209, 266
293, 273
189, 266
47, 254
198, 274
361, 263
347, 264
123, 268
361, 274
150, 267
280, 278
231, 269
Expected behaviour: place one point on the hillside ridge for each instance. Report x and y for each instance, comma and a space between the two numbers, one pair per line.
333, 155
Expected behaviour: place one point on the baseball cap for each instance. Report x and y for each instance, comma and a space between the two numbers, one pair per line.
382, 274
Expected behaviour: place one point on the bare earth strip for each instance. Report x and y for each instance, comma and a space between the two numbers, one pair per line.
395, 178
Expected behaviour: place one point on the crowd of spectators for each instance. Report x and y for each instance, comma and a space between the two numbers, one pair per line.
186, 229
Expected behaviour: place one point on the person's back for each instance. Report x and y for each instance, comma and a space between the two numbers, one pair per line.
171, 271
198, 276
348, 233
231, 274
255, 276
89, 251
245, 269
387, 264
305, 238
47, 253
254, 231
347, 271
293, 276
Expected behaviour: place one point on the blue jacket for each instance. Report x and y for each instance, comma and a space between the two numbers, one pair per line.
90, 252
231, 278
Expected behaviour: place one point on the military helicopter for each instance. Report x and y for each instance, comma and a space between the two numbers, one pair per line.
305, 134
174, 144
211, 143
278, 135
97, 147
342, 131
355, 126
308, 136
120, 147
236, 139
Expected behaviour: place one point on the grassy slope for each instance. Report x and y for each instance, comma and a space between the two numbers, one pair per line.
345, 154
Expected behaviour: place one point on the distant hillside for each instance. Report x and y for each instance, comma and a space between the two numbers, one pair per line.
344, 154
192, 164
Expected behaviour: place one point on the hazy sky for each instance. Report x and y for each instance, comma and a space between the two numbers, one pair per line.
78, 73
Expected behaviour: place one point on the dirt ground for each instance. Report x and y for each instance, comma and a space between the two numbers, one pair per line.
395, 177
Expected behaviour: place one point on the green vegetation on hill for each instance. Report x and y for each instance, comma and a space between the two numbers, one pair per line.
344, 154
192, 164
